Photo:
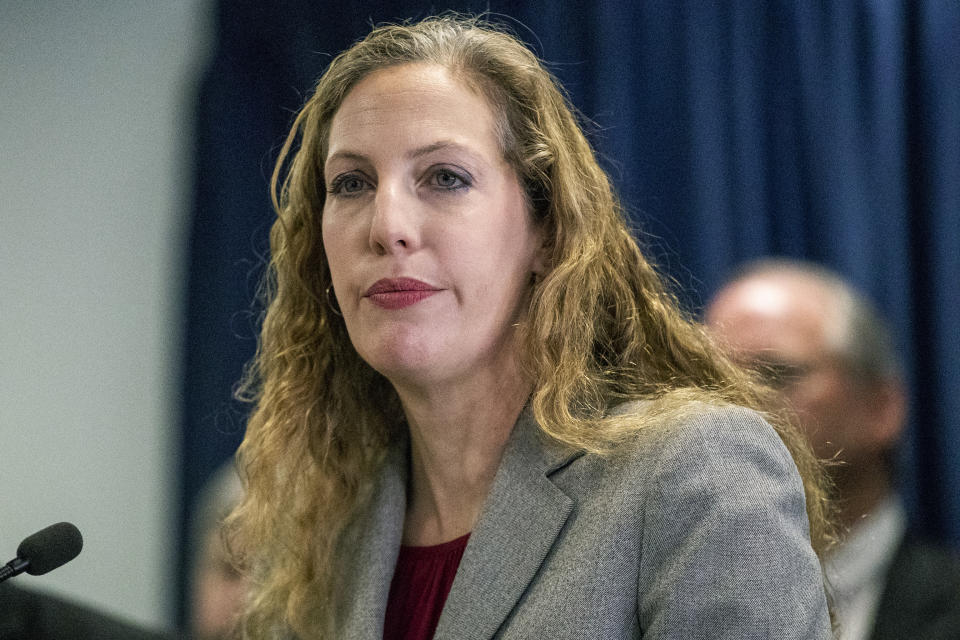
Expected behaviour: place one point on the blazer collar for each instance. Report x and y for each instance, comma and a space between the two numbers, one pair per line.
520, 521
370, 561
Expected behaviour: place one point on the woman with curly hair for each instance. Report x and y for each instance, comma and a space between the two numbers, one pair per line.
479, 411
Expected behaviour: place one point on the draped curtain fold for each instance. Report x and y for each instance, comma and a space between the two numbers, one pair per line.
828, 132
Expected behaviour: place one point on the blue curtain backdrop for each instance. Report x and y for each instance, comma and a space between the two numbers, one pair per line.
824, 131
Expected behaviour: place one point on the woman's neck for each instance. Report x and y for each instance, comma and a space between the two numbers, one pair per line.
457, 438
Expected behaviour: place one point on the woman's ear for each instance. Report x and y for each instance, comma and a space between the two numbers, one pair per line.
541, 258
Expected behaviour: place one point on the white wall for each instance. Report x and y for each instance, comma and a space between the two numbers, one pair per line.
96, 105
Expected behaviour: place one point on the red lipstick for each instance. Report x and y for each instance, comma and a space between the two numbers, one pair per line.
397, 293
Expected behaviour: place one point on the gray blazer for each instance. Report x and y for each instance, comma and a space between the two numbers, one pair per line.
698, 531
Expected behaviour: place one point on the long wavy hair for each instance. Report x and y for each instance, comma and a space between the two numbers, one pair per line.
601, 328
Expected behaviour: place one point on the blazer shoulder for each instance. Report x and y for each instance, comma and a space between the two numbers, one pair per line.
703, 433
700, 444
724, 523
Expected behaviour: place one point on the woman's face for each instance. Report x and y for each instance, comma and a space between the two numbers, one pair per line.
430, 244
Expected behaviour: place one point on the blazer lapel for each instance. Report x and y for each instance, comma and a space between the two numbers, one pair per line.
371, 562
519, 523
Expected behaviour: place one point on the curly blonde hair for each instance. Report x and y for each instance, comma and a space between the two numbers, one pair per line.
602, 327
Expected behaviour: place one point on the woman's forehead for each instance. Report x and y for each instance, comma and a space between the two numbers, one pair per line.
411, 105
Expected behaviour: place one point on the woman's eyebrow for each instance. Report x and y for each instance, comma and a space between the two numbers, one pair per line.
436, 146
419, 152
345, 155
443, 145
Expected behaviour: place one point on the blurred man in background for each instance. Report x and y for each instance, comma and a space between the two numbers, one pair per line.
217, 589
832, 358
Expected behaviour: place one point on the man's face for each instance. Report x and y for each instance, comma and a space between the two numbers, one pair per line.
780, 325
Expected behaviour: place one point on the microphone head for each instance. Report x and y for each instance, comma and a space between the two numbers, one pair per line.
51, 547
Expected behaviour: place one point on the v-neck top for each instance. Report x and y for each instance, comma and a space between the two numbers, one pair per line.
421, 582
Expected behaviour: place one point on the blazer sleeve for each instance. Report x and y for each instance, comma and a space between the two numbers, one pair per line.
726, 550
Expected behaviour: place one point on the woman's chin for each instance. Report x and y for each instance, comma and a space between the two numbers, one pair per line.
404, 366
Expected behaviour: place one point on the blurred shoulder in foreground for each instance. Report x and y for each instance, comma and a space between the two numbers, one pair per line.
30, 615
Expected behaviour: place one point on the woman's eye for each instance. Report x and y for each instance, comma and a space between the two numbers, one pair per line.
348, 185
446, 179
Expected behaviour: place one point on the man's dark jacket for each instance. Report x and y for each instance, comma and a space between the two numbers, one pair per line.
921, 600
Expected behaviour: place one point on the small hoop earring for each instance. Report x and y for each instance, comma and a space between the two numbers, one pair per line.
332, 301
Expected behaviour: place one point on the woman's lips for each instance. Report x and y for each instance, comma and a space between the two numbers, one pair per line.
397, 293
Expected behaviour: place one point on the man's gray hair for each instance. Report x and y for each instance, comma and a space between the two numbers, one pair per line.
859, 335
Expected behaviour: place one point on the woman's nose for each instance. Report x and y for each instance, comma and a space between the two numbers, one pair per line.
394, 228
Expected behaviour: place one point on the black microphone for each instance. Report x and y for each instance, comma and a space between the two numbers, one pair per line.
44, 551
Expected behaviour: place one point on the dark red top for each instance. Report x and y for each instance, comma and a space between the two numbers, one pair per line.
421, 582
